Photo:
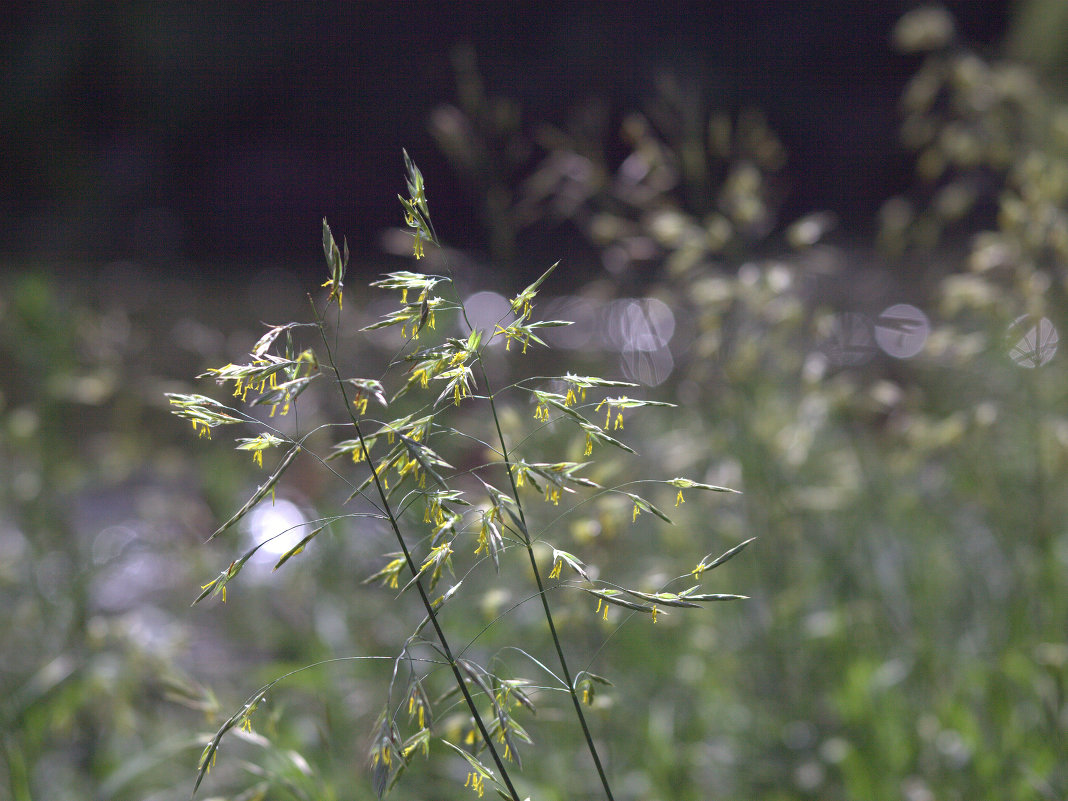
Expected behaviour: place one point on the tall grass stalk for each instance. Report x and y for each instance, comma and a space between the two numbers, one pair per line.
457, 505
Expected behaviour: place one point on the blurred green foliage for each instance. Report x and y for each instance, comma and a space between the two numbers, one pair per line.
906, 636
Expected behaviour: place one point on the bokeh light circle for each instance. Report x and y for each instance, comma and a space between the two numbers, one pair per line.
901, 330
1032, 342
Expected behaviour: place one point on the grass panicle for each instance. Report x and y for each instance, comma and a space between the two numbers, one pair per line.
442, 518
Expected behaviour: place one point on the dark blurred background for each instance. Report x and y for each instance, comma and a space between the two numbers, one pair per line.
218, 133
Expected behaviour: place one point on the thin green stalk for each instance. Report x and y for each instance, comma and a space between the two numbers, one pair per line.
541, 588
415, 570
530, 554
16, 769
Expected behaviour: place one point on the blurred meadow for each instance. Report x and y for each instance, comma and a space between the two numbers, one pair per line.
890, 400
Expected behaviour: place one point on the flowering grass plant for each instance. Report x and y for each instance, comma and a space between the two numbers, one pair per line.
401, 422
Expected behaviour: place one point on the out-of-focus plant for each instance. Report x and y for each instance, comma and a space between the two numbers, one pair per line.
694, 186
483, 138
895, 419
917, 562
917, 648
1038, 36
992, 147
449, 491
692, 183
88, 663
